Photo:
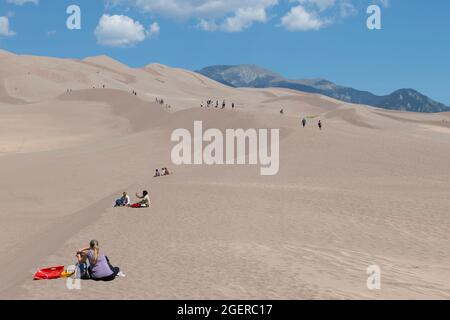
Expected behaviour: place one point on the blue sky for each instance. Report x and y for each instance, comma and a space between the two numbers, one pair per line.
297, 38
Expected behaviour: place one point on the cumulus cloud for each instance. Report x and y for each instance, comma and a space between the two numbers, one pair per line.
217, 15
22, 2
122, 31
5, 30
241, 20
239, 15
322, 5
154, 30
298, 19
316, 14
195, 8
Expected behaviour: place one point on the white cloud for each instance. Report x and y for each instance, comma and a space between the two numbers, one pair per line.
341, 8
244, 18
317, 14
385, 3
4, 28
206, 9
208, 25
213, 15
347, 9
122, 31
155, 30
22, 2
239, 15
298, 19
321, 4
241, 20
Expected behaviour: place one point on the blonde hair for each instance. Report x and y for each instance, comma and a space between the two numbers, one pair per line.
95, 247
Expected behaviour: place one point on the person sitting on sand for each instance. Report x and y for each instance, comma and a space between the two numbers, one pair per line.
165, 172
123, 201
282, 111
145, 200
99, 268
157, 174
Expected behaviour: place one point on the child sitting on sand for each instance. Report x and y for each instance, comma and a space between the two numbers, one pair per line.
99, 268
145, 201
123, 201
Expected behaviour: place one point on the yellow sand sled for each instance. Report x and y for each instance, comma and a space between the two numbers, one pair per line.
68, 272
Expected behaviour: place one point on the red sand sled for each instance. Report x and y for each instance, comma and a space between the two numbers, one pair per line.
139, 206
49, 273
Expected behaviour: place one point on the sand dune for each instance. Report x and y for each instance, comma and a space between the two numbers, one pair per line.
371, 188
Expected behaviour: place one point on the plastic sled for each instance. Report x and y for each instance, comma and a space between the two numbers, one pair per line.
49, 273
69, 272
139, 206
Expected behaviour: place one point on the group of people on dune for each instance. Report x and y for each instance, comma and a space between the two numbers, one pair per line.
160, 101
210, 103
93, 264
100, 268
125, 201
305, 122
144, 200
319, 124
164, 172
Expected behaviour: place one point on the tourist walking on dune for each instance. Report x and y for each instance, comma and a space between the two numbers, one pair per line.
320, 124
304, 122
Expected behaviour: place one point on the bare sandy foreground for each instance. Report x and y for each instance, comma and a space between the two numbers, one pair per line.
371, 189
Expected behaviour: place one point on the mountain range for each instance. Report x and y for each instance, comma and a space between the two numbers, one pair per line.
252, 76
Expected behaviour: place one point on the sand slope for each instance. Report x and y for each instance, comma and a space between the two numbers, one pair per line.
372, 188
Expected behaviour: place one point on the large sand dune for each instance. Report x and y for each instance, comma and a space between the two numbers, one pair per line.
371, 189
